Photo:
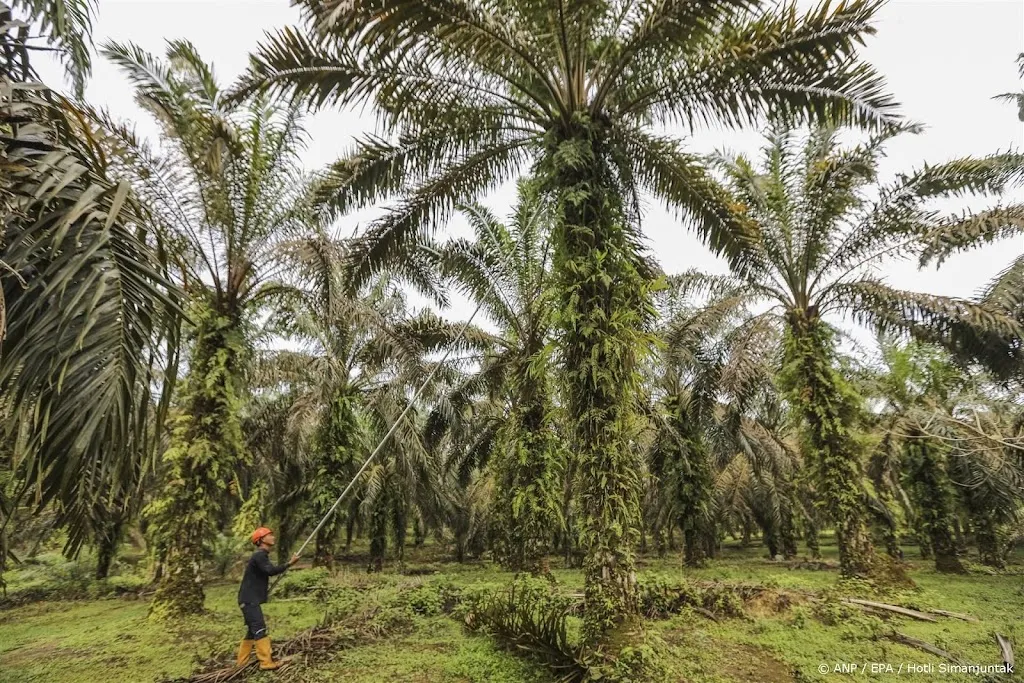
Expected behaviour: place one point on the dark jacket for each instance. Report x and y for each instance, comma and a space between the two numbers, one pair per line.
258, 570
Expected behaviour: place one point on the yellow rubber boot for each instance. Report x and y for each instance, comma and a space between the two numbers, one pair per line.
263, 654
244, 650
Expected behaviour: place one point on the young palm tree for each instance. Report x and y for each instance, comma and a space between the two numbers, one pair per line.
820, 233
914, 383
226, 189
722, 407
506, 268
408, 480
958, 443
361, 351
474, 90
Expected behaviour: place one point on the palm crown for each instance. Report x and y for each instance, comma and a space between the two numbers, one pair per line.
824, 223
472, 90
226, 185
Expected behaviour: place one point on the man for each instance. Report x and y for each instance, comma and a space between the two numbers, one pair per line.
253, 593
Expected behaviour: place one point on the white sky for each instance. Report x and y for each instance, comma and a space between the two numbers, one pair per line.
944, 60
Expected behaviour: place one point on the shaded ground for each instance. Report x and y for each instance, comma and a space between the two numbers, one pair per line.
416, 639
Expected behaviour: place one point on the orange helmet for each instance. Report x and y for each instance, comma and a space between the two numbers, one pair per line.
258, 535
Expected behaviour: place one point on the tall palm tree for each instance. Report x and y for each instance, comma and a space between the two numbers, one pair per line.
85, 306
507, 269
820, 233
474, 90
227, 190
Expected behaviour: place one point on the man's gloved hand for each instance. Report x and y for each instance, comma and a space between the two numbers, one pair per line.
295, 558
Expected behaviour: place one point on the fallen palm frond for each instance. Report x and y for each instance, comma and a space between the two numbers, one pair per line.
659, 599
876, 606
1005, 649
955, 615
925, 646
312, 646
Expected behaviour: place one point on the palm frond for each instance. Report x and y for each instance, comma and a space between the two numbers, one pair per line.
970, 230
973, 332
680, 180
91, 317
67, 24
391, 238
780, 64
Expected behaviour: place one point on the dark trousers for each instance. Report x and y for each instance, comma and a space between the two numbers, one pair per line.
255, 625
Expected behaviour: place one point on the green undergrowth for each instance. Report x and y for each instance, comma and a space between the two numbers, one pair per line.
741, 618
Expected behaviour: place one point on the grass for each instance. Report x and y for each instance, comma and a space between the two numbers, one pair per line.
87, 640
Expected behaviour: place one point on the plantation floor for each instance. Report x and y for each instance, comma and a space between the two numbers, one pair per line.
409, 633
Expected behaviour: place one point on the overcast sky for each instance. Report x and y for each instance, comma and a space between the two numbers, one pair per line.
944, 60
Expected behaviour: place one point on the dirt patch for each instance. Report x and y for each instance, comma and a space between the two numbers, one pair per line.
770, 602
47, 650
757, 665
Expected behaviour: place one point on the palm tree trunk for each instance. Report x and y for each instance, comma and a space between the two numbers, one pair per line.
811, 526
106, 547
787, 525
930, 486
659, 539
771, 540
713, 543
323, 555
206, 450
400, 526
606, 308
958, 534
419, 532
986, 534
924, 544
693, 548
829, 410
350, 526
811, 539
378, 534
787, 535
334, 451
524, 487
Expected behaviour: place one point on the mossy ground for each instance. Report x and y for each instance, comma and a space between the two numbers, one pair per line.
87, 640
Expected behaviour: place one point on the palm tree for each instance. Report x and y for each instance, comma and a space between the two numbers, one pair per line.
226, 189
957, 440
407, 481
819, 234
474, 90
361, 350
506, 268
347, 340
913, 383
86, 311
723, 415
